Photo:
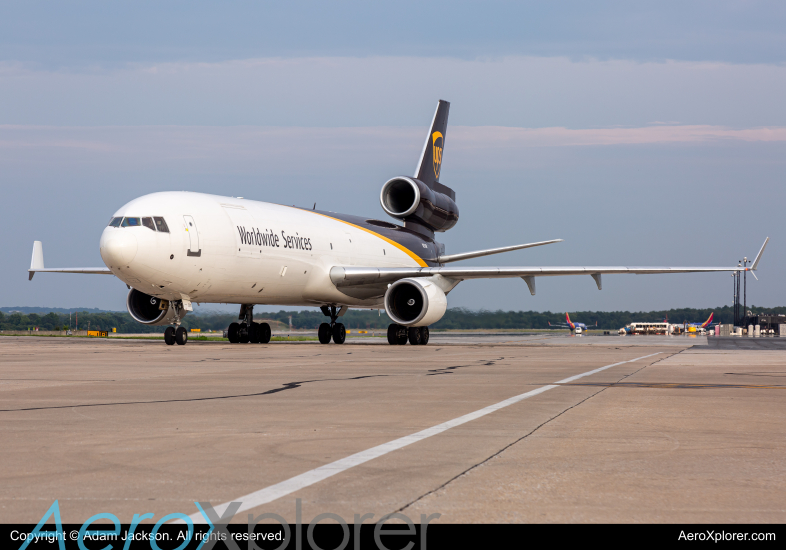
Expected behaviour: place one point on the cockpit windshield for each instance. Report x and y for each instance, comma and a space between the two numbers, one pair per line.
154, 223
161, 224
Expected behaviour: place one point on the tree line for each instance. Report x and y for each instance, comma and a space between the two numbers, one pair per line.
455, 318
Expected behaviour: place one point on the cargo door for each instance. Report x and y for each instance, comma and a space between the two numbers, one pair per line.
341, 247
244, 230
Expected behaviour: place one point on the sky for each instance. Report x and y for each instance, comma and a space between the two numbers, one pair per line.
641, 133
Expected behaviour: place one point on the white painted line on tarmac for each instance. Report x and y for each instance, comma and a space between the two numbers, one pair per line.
289, 486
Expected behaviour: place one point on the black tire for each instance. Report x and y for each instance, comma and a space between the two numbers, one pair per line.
325, 333
414, 335
169, 336
339, 333
233, 333
181, 336
393, 334
243, 333
254, 333
264, 333
401, 335
423, 336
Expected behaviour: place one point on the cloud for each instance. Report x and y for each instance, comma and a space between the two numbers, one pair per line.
211, 144
518, 91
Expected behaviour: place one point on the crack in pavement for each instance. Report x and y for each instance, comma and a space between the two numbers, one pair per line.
449, 370
284, 387
522, 438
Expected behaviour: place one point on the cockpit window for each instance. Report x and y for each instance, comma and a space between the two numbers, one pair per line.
161, 224
148, 222
131, 222
115, 222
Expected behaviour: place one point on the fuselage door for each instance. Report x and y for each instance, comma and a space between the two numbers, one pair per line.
193, 237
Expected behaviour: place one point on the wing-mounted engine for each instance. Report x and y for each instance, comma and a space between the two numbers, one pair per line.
415, 302
411, 200
150, 310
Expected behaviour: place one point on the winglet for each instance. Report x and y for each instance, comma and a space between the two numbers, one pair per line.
755, 264
37, 261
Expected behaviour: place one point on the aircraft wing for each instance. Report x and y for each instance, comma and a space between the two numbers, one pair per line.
37, 265
350, 276
85, 270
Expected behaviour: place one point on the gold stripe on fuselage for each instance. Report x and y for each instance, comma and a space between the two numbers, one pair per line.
404, 249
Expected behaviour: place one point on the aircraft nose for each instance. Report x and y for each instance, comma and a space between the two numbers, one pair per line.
118, 246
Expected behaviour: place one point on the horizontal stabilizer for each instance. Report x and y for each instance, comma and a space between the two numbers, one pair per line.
490, 251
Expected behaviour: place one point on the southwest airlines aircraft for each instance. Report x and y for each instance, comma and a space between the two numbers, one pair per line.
574, 327
175, 248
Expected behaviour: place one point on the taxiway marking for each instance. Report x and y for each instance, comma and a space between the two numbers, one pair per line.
289, 486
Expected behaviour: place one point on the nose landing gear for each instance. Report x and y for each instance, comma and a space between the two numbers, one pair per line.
177, 334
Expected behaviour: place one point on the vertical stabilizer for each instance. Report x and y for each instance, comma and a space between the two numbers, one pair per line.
430, 164
567, 318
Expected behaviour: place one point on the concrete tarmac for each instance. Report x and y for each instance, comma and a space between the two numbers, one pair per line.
679, 434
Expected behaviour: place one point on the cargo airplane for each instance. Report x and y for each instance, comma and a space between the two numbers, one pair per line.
176, 248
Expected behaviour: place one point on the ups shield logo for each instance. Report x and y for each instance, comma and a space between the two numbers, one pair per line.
437, 144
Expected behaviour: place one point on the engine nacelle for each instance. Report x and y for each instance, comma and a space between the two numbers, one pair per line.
150, 310
410, 199
415, 302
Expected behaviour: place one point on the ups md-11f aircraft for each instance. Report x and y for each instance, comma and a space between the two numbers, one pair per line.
175, 248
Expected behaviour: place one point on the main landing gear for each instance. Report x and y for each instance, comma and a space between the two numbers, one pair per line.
398, 335
247, 330
333, 330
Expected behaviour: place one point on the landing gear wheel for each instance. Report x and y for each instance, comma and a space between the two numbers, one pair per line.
414, 335
339, 333
401, 335
423, 336
324, 333
254, 333
233, 333
181, 336
169, 336
243, 333
264, 333
393, 334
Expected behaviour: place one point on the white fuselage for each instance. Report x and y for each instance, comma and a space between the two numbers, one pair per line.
232, 250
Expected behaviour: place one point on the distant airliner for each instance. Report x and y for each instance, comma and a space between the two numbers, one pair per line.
578, 328
175, 248
697, 327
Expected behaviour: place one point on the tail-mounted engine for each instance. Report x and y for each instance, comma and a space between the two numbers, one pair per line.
410, 199
415, 302
151, 310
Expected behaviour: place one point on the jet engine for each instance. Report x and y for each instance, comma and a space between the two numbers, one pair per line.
150, 310
415, 302
410, 199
